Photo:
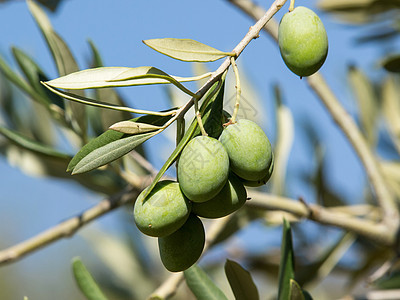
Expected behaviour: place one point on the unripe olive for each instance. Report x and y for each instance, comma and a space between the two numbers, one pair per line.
232, 197
260, 182
163, 211
249, 150
181, 249
303, 41
203, 168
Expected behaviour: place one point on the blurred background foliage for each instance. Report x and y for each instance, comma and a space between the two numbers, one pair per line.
41, 132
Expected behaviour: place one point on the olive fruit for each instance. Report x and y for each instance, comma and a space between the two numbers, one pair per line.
260, 182
163, 211
303, 41
249, 150
181, 249
232, 196
203, 168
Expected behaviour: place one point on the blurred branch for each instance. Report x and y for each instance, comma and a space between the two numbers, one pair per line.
328, 216
67, 228
346, 124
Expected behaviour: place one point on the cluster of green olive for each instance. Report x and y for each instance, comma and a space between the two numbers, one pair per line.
211, 176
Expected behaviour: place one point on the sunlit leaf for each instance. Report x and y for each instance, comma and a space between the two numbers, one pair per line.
286, 267
359, 11
391, 108
241, 282
120, 76
108, 95
86, 282
130, 127
93, 102
111, 136
201, 285
367, 103
283, 146
186, 49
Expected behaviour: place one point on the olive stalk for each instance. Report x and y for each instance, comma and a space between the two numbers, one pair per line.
238, 90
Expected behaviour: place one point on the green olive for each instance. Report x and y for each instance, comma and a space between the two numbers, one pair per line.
203, 168
249, 150
303, 41
229, 199
262, 181
181, 249
163, 211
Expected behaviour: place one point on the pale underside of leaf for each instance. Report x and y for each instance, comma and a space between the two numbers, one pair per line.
117, 76
129, 127
186, 49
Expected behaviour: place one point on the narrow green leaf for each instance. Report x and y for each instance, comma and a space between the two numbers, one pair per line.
367, 103
283, 144
86, 282
109, 95
110, 136
120, 76
186, 49
63, 58
391, 107
93, 102
110, 152
201, 285
295, 292
130, 127
286, 267
26, 143
192, 131
34, 74
241, 282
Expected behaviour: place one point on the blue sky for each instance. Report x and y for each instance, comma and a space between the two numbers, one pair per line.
30, 205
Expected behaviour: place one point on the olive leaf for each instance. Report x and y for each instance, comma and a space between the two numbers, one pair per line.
110, 152
34, 74
286, 267
86, 282
367, 103
241, 282
111, 136
186, 49
63, 58
31, 145
93, 102
120, 76
130, 127
201, 285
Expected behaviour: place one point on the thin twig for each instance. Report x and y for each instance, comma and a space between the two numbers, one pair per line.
67, 228
384, 198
